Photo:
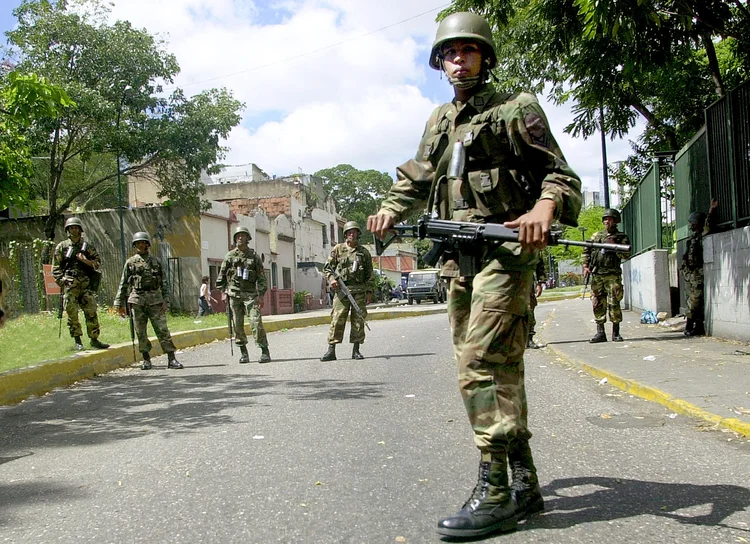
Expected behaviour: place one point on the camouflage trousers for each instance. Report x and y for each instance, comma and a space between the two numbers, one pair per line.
142, 313
694, 284
489, 322
340, 313
251, 308
532, 307
606, 293
81, 298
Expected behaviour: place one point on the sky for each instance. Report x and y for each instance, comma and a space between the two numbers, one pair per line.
325, 82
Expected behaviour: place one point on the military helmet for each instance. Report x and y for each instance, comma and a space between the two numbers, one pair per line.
463, 26
73, 221
697, 218
611, 212
241, 229
141, 237
349, 225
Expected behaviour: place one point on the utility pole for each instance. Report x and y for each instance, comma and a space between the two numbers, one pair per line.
605, 174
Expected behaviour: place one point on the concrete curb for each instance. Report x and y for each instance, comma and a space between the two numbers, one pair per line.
36, 380
653, 394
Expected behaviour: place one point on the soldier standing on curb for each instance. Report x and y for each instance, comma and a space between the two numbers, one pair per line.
243, 284
692, 269
488, 157
353, 263
75, 268
606, 276
537, 288
144, 288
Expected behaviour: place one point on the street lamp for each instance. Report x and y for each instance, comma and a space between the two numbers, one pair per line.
583, 238
119, 185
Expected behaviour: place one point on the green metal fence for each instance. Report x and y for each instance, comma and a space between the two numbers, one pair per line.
641, 215
692, 190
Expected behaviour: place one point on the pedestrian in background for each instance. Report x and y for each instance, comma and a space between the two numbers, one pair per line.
204, 298
605, 269
243, 283
353, 263
692, 269
144, 288
537, 287
488, 157
75, 267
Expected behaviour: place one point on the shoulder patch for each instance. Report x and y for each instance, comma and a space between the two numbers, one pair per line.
537, 129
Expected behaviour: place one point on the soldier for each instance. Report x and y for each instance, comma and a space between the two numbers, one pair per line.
145, 288
513, 173
243, 284
692, 269
75, 268
353, 263
606, 276
537, 287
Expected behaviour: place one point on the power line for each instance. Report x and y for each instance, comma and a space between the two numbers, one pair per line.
301, 55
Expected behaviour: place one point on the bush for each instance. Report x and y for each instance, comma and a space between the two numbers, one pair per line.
299, 297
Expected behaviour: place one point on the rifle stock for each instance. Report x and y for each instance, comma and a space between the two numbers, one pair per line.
348, 294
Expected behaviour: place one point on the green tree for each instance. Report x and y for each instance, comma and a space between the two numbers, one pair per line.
357, 193
112, 71
590, 219
25, 99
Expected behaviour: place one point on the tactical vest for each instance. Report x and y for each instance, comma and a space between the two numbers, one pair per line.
145, 273
241, 272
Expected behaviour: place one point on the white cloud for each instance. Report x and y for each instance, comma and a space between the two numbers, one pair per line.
324, 81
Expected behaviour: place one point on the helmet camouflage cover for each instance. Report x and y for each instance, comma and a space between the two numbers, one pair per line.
73, 221
239, 230
141, 237
463, 26
349, 225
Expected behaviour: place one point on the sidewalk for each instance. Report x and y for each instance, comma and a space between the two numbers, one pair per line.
702, 377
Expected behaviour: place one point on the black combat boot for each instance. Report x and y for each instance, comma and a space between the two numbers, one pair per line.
146, 364
172, 361
95, 343
689, 324
329, 355
355, 352
530, 344
600, 335
616, 333
265, 355
244, 358
524, 489
489, 509
698, 329
78, 342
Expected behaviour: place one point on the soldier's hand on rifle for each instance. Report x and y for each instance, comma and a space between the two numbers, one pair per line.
122, 310
380, 223
534, 226
539, 289
586, 271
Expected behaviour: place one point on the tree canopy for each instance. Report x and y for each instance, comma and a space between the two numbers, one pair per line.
115, 73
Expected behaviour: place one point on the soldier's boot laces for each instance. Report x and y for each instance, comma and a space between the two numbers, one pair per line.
616, 333
689, 324
78, 343
244, 358
600, 335
265, 355
95, 343
530, 344
146, 364
355, 352
524, 488
489, 509
698, 328
172, 361
329, 355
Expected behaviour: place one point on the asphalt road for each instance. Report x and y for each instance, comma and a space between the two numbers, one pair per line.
371, 451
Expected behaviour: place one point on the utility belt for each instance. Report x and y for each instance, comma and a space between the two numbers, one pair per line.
142, 291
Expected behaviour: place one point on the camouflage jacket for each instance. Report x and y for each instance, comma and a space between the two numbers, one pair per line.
142, 282
242, 275
603, 262
354, 265
692, 259
512, 161
69, 270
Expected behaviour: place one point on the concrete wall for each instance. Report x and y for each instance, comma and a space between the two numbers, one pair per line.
727, 284
645, 280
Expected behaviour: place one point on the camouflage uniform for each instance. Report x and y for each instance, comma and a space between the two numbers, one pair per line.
512, 162
145, 288
76, 279
692, 269
354, 265
540, 275
244, 293
606, 276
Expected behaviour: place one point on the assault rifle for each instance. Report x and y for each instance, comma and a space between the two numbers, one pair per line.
465, 241
348, 294
60, 310
230, 323
129, 308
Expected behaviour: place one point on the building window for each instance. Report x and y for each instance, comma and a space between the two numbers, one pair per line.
274, 276
333, 234
325, 235
286, 277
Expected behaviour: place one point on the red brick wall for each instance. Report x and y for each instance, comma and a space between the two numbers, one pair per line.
272, 205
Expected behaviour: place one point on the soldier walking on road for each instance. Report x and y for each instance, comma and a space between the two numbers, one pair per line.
692, 269
606, 276
75, 268
242, 281
144, 288
488, 157
537, 287
353, 263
